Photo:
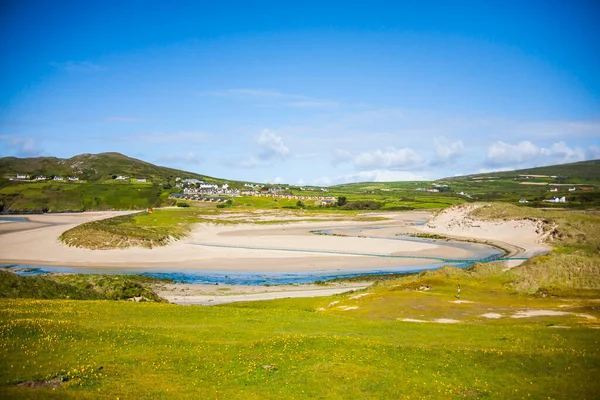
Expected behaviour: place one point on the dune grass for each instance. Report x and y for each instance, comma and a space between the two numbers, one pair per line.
78, 287
575, 229
574, 264
142, 229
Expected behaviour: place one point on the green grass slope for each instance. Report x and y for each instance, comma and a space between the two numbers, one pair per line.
96, 188
92, 167
363, 347
505, 186
577, 172
411, 337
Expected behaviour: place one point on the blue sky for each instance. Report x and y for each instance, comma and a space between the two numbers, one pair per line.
304, 92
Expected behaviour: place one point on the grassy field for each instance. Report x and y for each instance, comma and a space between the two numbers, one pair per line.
57, 196
359, 347
529, 332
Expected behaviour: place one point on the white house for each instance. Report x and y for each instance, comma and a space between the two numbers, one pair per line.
22, 176
59, 178
73, 178
141, 180
554, 190
557, 200
121, 177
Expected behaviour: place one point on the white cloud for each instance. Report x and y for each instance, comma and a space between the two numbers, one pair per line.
271, 146
501, 153
380, 175
593, 153
341, 156
322, 181
20, 146
446, 152
391, 158
563, 152
505, 154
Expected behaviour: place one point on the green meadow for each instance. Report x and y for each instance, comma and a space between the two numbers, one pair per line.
357, 345
63, 196
529, 332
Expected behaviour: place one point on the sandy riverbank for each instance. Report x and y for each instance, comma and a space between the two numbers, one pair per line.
277, 247
36, 243
195, 294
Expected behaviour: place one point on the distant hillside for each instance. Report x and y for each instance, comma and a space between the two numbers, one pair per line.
583, 172
92, 167
97, 188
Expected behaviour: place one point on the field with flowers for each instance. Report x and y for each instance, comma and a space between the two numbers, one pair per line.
407, 338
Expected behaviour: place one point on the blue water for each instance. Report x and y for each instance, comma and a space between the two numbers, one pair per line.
14, 219
231, 277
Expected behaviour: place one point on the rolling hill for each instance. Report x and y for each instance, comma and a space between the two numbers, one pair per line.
583, 172
92, 168
96, 187
578, 183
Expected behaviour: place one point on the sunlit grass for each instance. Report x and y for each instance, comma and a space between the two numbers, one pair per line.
288, 349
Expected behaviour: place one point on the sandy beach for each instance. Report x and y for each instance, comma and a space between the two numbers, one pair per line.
36, 243
277, 247
282, 247
522, 238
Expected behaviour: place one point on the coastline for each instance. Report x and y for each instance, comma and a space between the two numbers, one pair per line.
276, 247
211, 247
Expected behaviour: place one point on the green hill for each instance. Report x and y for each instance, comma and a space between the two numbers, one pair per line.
578, 182
92, 168
583, 172
97, 188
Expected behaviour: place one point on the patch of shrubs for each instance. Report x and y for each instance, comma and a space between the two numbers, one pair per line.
362, 205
